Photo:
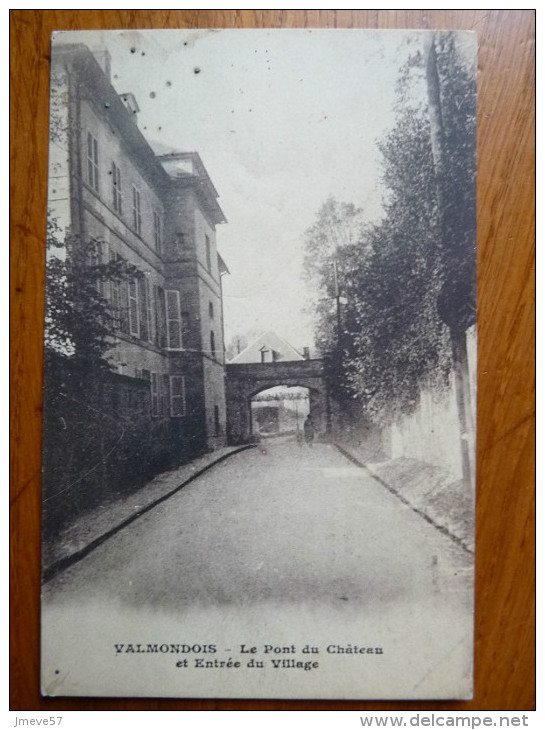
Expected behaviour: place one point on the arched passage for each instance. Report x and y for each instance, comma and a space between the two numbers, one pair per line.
279, 411
245, 380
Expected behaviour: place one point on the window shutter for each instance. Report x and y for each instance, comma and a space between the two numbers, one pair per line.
157, 232
92, 161
208, 254
116, 303
124, 307
174, 324
90, 171
154, 386
104, 259
136, 213
134, 325
116, 188
165, 396
160, 317
149, 311
95, 158
143, 309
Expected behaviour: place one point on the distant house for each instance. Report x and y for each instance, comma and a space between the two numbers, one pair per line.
268, 347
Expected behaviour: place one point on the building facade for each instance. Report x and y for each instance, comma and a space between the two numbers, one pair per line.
156, 210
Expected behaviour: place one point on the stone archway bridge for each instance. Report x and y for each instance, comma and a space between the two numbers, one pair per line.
245, 380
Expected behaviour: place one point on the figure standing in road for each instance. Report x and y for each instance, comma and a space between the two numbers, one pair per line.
308, 429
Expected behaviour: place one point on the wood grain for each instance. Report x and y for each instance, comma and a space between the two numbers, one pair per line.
504, 629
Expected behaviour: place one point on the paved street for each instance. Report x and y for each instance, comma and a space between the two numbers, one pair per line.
286, 547
290, 525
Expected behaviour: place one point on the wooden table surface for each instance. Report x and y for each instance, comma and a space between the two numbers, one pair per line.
505, 598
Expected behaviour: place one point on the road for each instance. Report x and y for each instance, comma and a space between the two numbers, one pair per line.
271, 545
292, 524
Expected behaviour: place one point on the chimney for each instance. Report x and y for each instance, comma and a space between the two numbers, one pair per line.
131, 105
104, 60
306, 353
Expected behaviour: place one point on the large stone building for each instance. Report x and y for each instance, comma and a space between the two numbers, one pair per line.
156, 209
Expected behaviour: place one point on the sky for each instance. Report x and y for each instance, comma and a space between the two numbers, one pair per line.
282, 119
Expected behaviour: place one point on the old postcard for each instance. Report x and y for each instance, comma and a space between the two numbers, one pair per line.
260, 365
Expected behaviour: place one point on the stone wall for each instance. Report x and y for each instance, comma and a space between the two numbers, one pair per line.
432, 433
100, 440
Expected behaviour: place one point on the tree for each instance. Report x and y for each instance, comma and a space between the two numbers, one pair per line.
452, 107
452, 115
328, 244
87, 448
236, 345
408, 277
79, 321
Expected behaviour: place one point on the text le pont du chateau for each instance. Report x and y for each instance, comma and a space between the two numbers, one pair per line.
211, 656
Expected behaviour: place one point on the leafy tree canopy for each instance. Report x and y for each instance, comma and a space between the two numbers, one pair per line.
404, 279
79, 320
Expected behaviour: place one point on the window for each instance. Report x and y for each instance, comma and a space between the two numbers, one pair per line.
116, 188
136, 214
143, 309
217, 424
212, 344
177, 396
165, 396
208, 254
174, 320
124, 316
100, 256
157, 231
154, 390
160, 318
115, 301
210, 310
92, 161
119, 300
186, 328
146, 310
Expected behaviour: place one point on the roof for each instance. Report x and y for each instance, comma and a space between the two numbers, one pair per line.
187, 169
222, 266
161, 149
269, 340
120, 110
84, 63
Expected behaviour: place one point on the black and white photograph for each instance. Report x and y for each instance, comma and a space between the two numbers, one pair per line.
260, 365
